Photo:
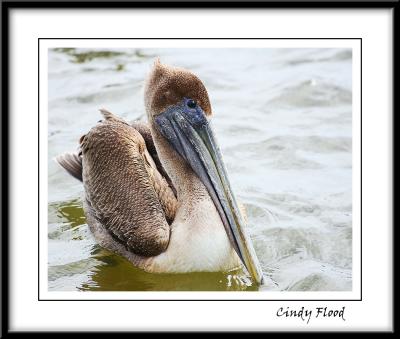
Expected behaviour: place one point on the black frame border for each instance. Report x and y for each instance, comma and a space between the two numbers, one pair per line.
8, 5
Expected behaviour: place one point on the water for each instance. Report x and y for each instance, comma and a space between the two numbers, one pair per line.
283, 121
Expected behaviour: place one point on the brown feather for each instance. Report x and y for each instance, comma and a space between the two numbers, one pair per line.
72, 163
124, 189
167, 86
144, 129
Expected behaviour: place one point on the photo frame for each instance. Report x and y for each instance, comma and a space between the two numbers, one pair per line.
303, 314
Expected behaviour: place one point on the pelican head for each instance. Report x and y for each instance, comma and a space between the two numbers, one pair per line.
178, 105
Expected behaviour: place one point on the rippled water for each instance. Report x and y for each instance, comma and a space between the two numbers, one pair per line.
283, 121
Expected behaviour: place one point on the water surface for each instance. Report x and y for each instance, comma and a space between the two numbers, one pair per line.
283, 121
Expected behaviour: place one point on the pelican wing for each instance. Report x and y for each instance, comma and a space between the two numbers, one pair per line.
144, 130
125, 191
72, 163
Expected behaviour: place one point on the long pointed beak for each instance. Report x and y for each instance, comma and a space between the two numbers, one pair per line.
190, 133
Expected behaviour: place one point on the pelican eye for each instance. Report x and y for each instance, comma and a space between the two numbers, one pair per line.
191, 103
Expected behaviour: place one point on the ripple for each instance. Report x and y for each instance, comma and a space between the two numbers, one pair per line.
284, 122
312, 93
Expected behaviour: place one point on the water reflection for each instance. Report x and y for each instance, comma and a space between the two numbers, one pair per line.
106, 271
117, 274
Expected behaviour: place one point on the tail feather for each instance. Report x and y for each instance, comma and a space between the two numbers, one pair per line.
72, 163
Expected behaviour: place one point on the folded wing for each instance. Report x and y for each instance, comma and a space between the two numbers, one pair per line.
124, 190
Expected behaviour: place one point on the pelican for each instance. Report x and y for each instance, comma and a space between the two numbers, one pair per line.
158, 193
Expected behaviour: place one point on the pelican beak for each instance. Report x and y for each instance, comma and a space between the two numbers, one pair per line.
187, 129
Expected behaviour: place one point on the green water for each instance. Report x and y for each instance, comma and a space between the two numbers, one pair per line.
105, 271
283, 118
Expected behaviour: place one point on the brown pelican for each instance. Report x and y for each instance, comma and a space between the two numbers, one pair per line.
158, 194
